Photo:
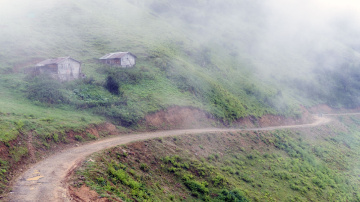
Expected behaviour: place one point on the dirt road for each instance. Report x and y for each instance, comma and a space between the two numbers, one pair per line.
44, 181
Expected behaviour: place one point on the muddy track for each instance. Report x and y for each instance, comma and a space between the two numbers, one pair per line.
46, 180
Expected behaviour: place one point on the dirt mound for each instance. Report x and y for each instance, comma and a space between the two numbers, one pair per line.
84, 193
178, 118
104, 129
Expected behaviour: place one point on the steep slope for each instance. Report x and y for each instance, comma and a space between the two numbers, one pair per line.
304, 164
172, 62
45, 181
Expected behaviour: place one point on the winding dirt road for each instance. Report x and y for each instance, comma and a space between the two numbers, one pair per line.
45, 181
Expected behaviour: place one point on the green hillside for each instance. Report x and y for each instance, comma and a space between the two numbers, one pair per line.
175, 66
314, 164
182, 59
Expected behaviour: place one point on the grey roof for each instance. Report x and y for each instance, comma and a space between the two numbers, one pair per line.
115, 55
54, 61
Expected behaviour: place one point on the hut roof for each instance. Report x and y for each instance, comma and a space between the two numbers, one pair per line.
115, 55
54, 61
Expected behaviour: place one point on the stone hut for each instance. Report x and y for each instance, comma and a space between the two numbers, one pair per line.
62, 68
123, 59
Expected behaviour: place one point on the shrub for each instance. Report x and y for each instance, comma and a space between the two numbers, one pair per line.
124, 178
112, 85
18, 152
218, 180
46, 90
144, 167
318, 182
101, 181
246, 178
234, 195
56, 137
91, 136
79, 138
196, 186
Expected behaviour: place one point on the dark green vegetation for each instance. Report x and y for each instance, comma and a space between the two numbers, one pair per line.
319, 164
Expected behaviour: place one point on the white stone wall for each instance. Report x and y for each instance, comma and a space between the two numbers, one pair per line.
127, 60
69, 70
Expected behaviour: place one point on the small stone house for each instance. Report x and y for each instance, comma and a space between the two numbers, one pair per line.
62, 68
123, 59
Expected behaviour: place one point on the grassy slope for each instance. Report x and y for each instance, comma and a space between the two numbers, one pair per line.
318, 164
182, 68
169, 57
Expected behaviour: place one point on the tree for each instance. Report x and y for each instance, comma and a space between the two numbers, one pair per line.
112, 85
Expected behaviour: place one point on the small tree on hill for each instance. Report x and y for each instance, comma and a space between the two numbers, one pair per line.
112, 85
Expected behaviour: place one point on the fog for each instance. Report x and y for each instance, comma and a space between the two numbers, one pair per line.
285, 26
276, 38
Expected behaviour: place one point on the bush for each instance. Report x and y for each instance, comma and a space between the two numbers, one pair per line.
56, 137
124, 178
79, 138
195, 186
101, 181
91, 136
18, 152
46, 90
144, 167
112, 85
234, 195
219, 180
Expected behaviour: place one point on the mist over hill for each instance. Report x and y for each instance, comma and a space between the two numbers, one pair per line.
232, 59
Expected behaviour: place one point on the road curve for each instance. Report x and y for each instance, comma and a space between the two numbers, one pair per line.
44, 181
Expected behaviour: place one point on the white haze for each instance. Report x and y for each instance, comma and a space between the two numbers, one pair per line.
302, 35
293, 36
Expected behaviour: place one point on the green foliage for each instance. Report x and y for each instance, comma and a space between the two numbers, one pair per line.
8, 131
56, 137
112, 85
46, 90
79, 138
287, 167
90, 96
128, 76
195, 186
4, 169
18, 152
226, 105
233, 196
144, 167
118, 174
101, 181
91, 136
219, 180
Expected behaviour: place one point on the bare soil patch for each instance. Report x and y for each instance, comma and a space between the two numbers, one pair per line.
84, 193
178, 118
189, 117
